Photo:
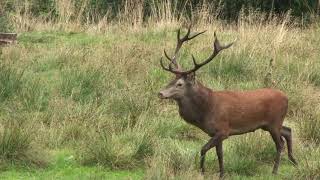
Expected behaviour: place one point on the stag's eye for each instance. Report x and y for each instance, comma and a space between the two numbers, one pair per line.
179, 84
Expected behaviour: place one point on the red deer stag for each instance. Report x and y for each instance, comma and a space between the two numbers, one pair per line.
221, 114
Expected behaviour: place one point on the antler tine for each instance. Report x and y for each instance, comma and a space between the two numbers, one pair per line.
194, 60
167, 56
217, 47
185, 38
172, 60
180, 42
178, 35
162, 65
169, 67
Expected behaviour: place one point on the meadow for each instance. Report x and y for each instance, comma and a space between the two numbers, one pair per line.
79, 101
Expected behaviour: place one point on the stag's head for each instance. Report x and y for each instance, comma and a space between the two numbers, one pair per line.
184, 80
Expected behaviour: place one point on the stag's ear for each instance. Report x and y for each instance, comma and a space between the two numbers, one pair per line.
191, 77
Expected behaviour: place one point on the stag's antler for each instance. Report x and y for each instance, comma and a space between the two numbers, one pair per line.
180, 42
217, 47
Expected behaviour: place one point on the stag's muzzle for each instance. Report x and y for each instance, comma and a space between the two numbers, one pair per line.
161, 95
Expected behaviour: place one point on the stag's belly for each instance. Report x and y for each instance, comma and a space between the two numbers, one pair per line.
251, 118
242, 130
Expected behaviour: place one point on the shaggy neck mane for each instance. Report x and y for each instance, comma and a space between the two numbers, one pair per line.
195, 104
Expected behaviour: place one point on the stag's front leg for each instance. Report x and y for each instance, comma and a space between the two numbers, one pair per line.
220, 157
215, 141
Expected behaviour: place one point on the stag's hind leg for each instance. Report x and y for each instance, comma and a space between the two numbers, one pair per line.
276, 136
220, 157
286, 133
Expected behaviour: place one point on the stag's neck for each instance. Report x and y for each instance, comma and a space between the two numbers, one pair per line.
195, 105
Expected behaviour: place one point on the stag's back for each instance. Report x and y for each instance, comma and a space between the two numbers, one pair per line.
250, 110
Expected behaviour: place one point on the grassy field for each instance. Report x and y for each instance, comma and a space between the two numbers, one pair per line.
64, 166
83, 104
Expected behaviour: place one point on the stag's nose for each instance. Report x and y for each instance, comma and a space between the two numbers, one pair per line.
160, 95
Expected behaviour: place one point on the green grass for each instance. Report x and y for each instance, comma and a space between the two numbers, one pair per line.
10, 82
96, 96
64, 166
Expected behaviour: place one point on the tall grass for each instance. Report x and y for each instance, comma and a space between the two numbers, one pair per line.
81, 86
10, 82
17, 145
124, 150
77, 15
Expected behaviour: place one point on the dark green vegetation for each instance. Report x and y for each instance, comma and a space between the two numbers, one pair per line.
17, 14
223, 9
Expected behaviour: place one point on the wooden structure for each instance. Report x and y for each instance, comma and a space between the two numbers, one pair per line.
7, 38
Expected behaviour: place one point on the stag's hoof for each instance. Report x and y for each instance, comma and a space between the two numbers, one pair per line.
221, 175
294, 162
202, 172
